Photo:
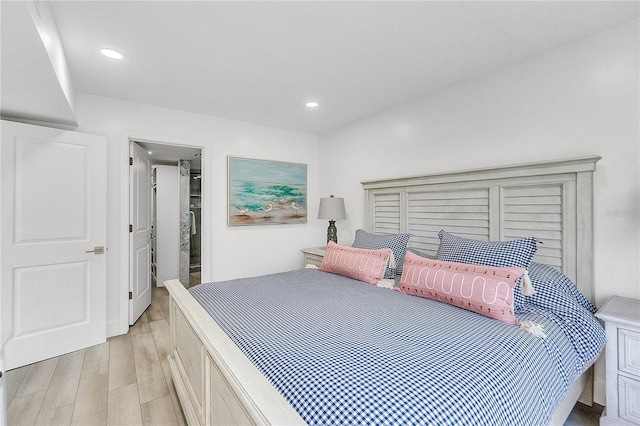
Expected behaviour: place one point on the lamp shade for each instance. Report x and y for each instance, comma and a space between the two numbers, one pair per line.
332, 209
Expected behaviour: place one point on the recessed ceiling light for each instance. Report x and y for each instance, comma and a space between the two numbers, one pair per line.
311, 104
150, 152
110, 53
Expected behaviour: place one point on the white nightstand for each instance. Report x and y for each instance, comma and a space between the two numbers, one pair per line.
313, 255
622, 323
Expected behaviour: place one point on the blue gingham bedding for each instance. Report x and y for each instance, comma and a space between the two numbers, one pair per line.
344, 352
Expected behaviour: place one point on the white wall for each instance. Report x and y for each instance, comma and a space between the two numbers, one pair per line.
231, 252
167, 223
580, 99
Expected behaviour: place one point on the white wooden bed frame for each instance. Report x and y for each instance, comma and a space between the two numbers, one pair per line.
217, 384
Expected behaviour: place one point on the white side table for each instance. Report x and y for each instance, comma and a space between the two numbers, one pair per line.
622, 323
313, 256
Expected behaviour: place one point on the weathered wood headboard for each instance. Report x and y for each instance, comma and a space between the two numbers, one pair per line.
551, 201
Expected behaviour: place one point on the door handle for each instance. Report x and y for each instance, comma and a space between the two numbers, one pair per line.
96, 250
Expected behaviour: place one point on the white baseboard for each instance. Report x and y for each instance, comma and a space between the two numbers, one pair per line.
115, 329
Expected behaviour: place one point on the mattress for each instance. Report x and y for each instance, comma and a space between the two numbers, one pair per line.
341, 351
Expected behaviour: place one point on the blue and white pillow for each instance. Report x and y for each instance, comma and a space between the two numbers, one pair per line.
543, 276
396, 242
557, 294
489, 253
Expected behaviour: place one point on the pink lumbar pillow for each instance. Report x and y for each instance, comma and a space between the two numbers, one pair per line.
360, 264
486, 290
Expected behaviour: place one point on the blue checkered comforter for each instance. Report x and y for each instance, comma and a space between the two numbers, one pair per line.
345, 352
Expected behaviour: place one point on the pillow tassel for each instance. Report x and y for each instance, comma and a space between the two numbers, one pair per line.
526, 286
387, 283
392, 260
533, 328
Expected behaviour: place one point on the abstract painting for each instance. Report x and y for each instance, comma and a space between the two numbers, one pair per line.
263, 192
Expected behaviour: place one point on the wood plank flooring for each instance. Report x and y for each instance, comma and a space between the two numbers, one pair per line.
125, 381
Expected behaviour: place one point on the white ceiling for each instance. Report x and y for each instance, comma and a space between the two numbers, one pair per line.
171, 154
30, 87
261, 61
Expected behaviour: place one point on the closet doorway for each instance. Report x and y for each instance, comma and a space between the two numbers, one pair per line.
195, 226
175, 217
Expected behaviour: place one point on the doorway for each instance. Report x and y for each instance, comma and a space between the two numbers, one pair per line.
195, 219
176, 223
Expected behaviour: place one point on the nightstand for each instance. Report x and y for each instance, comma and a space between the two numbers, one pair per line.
622, 323
313, 255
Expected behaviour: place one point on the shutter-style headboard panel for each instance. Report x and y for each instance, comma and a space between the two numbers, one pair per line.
552, 201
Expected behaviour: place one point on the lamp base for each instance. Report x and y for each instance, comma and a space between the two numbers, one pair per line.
332, 232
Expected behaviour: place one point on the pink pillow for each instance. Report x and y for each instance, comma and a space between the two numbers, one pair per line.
360, 264
486, 290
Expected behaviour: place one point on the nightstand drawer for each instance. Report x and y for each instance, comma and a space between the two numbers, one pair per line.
628, 397
313, 256
312, 260
629, 352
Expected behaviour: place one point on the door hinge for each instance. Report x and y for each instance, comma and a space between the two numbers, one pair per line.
131, 161
130, 228
130, 296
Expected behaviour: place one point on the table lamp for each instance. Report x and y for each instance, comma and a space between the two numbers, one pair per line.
332, 209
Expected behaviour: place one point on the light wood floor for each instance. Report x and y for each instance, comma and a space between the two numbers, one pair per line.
125, 381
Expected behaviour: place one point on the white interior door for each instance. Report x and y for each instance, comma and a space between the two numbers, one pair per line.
53, 226
140, 235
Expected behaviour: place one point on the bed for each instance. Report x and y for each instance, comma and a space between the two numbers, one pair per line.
307, 366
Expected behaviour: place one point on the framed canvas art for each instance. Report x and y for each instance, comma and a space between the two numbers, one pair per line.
263, 192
